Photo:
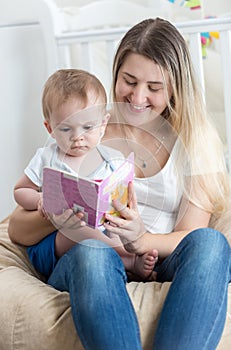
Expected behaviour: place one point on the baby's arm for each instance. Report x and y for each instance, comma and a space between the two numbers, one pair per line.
26, 193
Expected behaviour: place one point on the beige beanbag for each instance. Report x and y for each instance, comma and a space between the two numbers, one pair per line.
36, 316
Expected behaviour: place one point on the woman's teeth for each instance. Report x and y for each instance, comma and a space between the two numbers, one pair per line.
138, 107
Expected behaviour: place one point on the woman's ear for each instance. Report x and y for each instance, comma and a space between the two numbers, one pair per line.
47, 126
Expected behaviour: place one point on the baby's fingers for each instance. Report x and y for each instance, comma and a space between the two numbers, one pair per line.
68, 219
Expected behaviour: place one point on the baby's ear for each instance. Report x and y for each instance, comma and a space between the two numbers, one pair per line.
47, 126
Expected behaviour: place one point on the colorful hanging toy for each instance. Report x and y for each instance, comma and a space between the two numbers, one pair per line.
206, 40
206, 37
192, 4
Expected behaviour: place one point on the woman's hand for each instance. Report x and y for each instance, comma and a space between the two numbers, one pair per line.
129, 226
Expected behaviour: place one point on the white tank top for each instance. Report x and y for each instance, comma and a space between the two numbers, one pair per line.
159, 197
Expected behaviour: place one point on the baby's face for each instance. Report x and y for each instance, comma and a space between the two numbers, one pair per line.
78, 129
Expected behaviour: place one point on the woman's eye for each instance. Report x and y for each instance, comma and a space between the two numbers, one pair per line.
129, 82
154, 89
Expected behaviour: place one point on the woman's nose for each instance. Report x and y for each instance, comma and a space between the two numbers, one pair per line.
139, 95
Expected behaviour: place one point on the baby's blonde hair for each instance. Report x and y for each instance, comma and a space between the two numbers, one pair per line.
65, 84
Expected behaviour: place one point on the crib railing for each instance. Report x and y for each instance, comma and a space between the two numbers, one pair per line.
192, 30
111, 36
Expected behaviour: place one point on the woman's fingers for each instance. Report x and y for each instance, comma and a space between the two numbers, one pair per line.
132, 200
129, 226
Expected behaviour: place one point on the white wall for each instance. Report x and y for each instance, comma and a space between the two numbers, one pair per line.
216, 7
22, 73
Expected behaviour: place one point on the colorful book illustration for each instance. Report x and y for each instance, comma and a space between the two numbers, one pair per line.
62, 190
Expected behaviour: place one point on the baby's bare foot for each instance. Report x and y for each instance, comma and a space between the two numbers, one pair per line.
144, 265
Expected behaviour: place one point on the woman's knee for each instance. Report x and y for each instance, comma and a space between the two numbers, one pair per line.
208, 237
208, 243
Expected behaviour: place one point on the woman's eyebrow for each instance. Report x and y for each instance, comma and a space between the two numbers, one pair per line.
149, 82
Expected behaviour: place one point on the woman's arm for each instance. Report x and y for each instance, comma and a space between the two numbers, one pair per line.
28, 227
136, 240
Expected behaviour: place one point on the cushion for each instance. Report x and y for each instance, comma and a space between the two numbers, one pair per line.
36, 316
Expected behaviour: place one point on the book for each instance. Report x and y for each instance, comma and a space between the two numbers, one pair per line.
62, 190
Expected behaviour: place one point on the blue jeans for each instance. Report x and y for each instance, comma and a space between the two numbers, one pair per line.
194, 311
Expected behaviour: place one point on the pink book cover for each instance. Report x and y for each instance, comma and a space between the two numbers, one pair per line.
62, 190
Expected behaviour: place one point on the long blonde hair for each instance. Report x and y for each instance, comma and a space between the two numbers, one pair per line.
205, 180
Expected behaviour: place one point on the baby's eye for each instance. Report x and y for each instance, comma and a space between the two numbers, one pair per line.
64, 129
88, 127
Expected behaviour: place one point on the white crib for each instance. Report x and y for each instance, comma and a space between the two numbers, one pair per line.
86, 37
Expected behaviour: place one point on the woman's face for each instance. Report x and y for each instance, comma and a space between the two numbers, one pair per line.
140, 86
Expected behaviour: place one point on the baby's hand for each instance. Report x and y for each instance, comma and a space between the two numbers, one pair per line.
73, 226
68, 220
41, 209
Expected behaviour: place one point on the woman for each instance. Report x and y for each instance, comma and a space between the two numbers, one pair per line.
180, 182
